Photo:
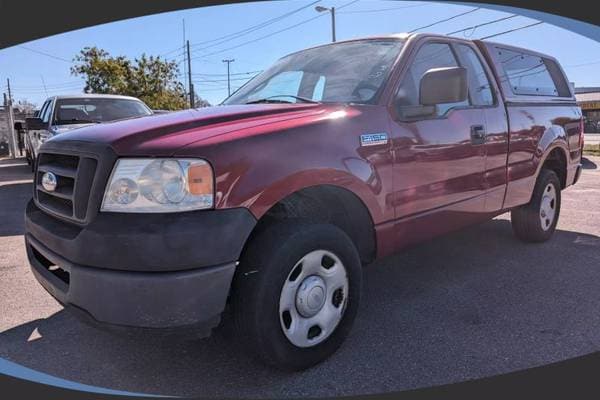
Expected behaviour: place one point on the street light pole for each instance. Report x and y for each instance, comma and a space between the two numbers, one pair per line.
332, 11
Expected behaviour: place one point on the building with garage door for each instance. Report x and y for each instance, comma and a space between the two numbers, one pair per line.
588, 99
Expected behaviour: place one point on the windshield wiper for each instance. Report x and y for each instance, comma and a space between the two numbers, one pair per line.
76, 121
272, 99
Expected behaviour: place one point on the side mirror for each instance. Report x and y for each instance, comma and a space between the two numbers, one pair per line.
443, 85
34, 124
18, 126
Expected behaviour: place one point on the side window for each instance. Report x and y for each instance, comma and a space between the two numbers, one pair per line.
480, 89
430, 55
527, 74
43, 109
287, 82
319, 89
45, 116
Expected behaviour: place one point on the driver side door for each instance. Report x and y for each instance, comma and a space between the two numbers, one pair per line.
439, 155
37, 136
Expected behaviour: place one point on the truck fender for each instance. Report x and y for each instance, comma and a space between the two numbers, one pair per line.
260, 202
520, 190
553, 138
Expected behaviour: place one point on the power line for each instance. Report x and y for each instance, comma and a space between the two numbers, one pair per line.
273, 33
235, 35
180, 48
582, 65
179, 57
384, 9
264, 37
232, 74
483, 24
69, 83
223, 80
41, 89
512, 30
224, 89
45, 54
445, 20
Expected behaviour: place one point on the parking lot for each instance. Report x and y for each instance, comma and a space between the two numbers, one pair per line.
471, 304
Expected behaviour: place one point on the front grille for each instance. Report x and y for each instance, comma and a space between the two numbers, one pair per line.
57, 271
74, 178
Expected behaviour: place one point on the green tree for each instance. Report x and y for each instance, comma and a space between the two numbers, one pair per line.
151, 79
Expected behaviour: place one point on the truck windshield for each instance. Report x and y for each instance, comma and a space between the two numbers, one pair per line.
349, 72
90, 110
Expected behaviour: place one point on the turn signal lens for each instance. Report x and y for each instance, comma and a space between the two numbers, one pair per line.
200, 179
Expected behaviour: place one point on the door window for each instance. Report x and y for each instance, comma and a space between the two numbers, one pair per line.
45, 116
480, 88
43, 109
430, 55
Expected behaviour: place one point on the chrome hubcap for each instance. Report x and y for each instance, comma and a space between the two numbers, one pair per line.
313, 298
548, 207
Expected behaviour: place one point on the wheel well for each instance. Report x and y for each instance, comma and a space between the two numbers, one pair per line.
327, 204
557, 162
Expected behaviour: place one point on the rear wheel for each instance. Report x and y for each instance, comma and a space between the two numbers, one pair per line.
536, 221
296, 293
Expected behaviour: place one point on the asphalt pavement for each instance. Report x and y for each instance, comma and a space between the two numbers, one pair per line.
471, 304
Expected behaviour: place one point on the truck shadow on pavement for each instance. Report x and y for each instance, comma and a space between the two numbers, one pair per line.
472, 304
15, 191
13, 196
586, 163
14, 170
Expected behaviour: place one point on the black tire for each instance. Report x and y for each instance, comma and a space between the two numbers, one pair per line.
264, 268
526, 221
30, 159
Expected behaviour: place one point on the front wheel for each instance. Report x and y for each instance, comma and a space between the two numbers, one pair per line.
536, 221
296, 293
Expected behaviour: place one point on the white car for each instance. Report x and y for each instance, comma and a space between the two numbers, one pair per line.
64, 113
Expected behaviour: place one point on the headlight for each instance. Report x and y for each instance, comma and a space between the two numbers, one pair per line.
44, 136
159, 185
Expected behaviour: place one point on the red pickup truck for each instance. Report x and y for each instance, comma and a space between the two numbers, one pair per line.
268, 205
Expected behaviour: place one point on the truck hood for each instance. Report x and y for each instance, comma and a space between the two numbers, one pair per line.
163, 134
69, 127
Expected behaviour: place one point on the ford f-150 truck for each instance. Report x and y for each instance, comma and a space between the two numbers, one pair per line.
266, 207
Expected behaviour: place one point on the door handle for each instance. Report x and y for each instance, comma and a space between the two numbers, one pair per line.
477, 134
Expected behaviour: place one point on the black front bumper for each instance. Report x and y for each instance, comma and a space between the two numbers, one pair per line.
140, 270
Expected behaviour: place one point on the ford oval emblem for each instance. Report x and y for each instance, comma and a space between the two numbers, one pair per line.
49, 181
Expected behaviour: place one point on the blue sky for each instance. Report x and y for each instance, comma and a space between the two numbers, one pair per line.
162, 34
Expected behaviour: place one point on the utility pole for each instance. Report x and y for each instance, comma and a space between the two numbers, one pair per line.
228, 61
333, 24
332, 11
11, 123
44, 83
9, 93
191, 85
184, 56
